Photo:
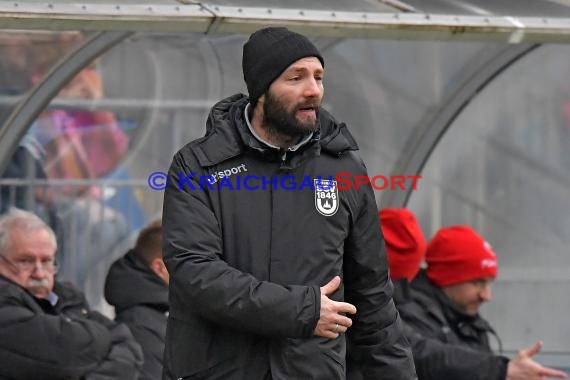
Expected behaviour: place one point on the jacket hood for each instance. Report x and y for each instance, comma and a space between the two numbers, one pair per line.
227, 134
130, 282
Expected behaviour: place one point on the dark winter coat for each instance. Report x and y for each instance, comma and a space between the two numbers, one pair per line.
61, 342
446, 343
140, 299
246, 266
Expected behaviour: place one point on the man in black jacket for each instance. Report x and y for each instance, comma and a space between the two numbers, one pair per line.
257, 236
46, 328
137, 286
450, 340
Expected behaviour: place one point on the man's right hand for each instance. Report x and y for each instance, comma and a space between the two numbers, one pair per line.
523, 367
331, 321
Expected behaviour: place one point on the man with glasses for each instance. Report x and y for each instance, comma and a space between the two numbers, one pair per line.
450, 340
46, 328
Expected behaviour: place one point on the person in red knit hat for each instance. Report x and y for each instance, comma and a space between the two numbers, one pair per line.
405, 242
440, 309
463, 265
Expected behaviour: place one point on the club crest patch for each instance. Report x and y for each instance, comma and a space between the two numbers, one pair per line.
326, 196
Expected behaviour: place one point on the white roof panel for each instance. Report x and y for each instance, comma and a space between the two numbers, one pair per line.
510, 21
512, 8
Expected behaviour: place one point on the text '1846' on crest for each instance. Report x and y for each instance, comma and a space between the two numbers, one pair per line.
326, 196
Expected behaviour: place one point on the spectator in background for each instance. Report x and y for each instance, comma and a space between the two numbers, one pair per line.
405, 243
47, 330
450, 340
137, 286
15, 80
405, 250
15, 76
73, 139
80, 143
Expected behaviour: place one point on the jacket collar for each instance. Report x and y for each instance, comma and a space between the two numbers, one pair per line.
295, 147
442, 308
227, 135
426, 296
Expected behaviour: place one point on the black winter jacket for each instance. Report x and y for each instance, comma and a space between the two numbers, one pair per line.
446, 343
140, 299
246, 265
61, 342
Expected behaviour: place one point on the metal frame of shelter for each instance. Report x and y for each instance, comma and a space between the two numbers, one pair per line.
391, 19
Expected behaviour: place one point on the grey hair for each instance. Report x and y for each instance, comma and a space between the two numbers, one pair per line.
24, 220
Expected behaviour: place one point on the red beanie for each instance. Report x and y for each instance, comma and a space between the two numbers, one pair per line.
457, 254
405, 242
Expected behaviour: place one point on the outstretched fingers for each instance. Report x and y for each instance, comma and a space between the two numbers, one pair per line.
550, 372
532, 350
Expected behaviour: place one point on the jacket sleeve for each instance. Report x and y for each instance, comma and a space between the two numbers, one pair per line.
377, 346
437, 360
201, 281
38, 345
124, 360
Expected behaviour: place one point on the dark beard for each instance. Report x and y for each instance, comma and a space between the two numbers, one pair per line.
281, 122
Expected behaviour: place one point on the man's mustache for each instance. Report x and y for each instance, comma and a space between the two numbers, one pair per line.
304, 106
35, 284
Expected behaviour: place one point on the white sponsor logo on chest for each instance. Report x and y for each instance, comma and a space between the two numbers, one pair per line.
226, 173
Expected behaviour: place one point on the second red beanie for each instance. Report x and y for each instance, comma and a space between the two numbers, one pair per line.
458, 254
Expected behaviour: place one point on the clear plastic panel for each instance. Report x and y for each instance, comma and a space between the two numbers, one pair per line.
504, 168
152, 94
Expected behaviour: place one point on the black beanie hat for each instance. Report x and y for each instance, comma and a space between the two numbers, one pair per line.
268, 52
